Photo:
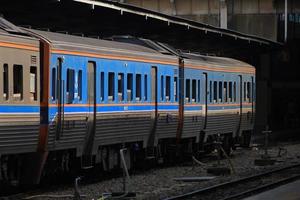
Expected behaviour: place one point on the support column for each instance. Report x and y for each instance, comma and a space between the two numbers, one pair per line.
223, 14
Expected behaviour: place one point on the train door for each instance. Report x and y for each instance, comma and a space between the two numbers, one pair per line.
252, 99
154, 101
240, 101
91, 101
205, 92
60, 85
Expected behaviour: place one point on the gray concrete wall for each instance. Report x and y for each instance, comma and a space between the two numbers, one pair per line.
255, 17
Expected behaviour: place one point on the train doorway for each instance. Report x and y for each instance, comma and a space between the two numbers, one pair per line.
91, 101
205, 92
60, 84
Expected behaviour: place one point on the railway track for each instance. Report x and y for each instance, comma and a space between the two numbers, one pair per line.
244, 187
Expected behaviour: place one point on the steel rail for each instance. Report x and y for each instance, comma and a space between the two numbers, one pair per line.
226, 184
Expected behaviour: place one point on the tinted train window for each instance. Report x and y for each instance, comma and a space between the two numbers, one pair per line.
215, 91
120, 87
245, 91
210, 91
111, 86
33, 83
175, 88
53, 84
80, 85
102, 86
129, 87
138, 87
187, 90
145, 87
194, 91
225, 91
220, 92
5, 82
70, 85
248, 92
199, 89
162, 88
234, 91
18, 82
168, 88
230, 92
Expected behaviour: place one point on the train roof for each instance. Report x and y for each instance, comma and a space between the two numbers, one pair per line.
74, 42
215, 61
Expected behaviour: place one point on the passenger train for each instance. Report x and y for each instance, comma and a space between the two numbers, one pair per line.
67, 100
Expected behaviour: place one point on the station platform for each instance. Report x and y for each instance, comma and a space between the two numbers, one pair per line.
290, 191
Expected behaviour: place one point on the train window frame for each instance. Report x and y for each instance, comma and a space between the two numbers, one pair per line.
230, 95
215, 91
168, 88
18, 86
129, 88
225, 91
248, 95
33, 83
199, 91
162, 89
138, 87
121, 87
175, 86
234, 92
220, 93
53, 84
102, 82
70, 85
194, 91
245, 91
111, 87
187, 96
145, 87
79, 85
210, 91
5, 81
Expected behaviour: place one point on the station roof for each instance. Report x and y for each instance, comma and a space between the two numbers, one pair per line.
106, 18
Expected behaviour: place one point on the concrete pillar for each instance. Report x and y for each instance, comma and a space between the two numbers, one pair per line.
263, 93
223, 14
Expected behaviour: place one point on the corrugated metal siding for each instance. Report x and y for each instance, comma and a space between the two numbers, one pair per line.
18, 134
125, 127
167, 125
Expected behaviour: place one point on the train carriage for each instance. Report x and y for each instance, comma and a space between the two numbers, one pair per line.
69, 100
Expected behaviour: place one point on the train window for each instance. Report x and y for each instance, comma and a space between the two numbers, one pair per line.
234, 91
210, 91
199, 89
230, 92
175, 88
5, 82
53, 84
129, 87
138, 87
162, 88
33, 83
102, 86
120, 87
145, 87
194, 91
79, 85
215, 91
248, 92
111, 86
225, 91
245, 91
70, 85
220, 92
18, 82
168, 88
187, 90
